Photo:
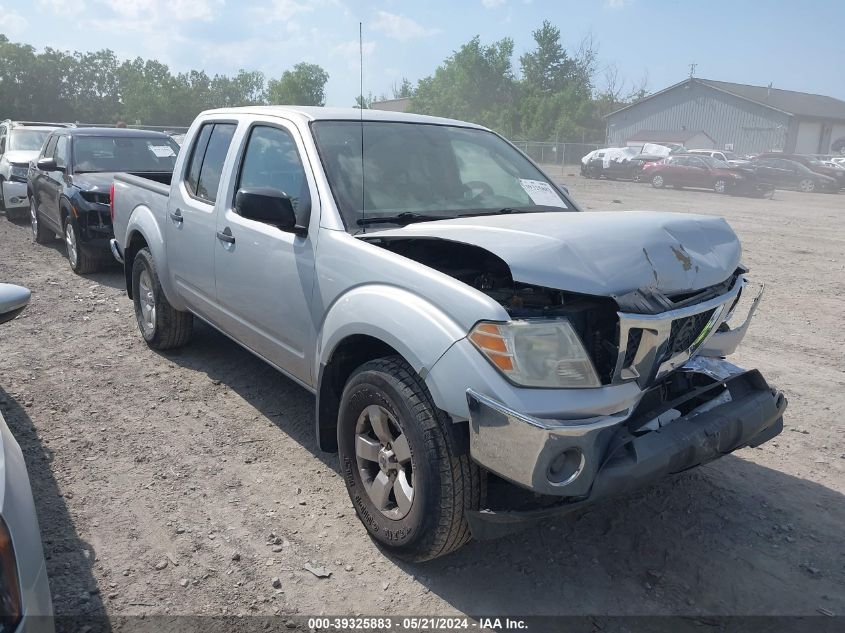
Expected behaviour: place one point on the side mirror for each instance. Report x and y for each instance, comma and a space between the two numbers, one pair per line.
47, 164
13, 300
268, 205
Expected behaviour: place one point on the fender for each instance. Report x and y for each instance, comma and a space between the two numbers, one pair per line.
415, 328
142, 221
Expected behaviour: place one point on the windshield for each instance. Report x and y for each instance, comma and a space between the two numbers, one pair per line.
135, 154
431, 171
27, 140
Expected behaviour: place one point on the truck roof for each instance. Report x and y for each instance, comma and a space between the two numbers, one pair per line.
314, 113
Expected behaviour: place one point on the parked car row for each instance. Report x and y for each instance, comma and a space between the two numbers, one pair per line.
723, 172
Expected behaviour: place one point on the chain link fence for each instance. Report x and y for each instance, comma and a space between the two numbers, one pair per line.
547, 153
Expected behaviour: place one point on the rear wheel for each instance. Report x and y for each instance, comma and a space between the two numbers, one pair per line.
40, 235
657, 182
161, 325
808, 185
720, 186
409, 488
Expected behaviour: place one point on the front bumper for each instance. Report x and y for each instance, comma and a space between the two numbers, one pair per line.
618, 454
14, 194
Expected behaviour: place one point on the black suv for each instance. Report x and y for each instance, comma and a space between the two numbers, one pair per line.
69, 185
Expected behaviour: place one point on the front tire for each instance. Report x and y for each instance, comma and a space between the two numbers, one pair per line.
40, 235
162, 326
409, 488
81, 262
807, 185
657, 182
720, 186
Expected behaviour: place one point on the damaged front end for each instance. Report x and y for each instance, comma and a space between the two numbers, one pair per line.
694, 416
692, 407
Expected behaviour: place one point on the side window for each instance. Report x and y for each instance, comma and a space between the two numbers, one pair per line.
2, 140
193, 174
212, 163
271, 160
679, 161
696, 162
49, 146
61, 154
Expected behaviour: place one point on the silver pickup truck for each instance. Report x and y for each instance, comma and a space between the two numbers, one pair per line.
483, 353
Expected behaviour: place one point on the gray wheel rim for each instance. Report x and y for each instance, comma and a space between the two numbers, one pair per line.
807, 185
70, 241
147, 300
720, 186
384, 462
658, 181
33, 218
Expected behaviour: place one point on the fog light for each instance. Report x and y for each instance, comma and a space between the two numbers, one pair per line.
566, 467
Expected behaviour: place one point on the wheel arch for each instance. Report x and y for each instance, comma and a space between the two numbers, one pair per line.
368, 323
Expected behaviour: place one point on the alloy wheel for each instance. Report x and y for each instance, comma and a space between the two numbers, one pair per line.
657, 181
807, 185
33, 218
70, 241
384, 460
147, 299
720, 186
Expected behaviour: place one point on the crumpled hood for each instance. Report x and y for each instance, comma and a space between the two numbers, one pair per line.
598, 253
21, 157
100, 181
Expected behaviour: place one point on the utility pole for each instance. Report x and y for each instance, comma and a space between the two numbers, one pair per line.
692, 68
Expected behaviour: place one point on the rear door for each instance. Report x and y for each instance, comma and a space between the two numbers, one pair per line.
191, 222
697, 174
265, 276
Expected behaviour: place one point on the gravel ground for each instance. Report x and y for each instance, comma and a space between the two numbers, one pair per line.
185, 483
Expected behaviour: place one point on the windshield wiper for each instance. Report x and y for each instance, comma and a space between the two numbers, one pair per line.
401, 219
503, 211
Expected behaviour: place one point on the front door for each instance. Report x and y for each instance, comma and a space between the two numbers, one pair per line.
265, 276
192, 218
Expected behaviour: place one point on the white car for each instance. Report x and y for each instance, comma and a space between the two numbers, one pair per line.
20, 142
25, 604
729, 157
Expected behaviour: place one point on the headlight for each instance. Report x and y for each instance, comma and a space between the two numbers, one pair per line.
10, 595
18, 171
536, 353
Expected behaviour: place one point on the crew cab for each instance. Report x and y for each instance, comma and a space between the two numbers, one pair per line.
483, 353
68, 185
20, 142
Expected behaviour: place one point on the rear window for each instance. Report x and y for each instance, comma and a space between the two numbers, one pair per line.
208, 155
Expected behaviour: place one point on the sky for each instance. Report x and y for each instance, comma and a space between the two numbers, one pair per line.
793, 45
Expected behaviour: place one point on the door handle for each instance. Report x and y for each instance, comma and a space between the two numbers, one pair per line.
176, 215
226, 236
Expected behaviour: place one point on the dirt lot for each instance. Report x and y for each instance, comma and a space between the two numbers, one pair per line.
182, 483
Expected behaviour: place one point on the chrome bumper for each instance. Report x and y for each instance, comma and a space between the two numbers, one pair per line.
603, 456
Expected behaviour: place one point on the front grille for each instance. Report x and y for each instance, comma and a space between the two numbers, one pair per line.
684, 332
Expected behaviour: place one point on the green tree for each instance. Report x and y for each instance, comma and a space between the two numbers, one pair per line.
403, 90
475, 84
304, 85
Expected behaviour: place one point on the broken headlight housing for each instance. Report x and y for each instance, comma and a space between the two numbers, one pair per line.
536, 353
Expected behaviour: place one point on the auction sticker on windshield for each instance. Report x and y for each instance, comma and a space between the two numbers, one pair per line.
165, 151
541, 193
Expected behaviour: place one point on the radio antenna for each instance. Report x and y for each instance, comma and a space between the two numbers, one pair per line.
361, 119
